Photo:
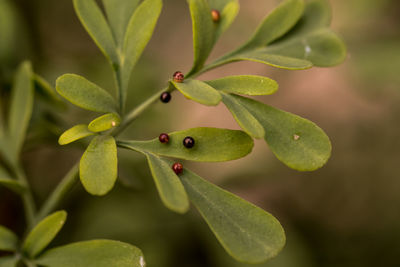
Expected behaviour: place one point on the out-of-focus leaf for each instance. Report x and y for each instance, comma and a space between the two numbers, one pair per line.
20, 108
7, 181
198, 91
105, 122
295, 141
98, 165
43, 233
75, 133
245, 84
85, 94
9, 261
118, 14
138, 34
243, 117
211, 145
8, 29
203, 32
45, 89
99, 253
96, 25
248, 233
170, 188
8, 240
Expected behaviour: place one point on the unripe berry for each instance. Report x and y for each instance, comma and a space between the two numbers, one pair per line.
178, 77
164, 138
177, 168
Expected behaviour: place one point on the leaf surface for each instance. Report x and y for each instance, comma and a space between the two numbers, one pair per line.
8, 261
8, 240
198, 91
245, 84
105, 122
75, 133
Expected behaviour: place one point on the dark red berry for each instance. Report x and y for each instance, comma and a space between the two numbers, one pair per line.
188, 142
164, 138
216, 16
165, 97
178, 77
177, 168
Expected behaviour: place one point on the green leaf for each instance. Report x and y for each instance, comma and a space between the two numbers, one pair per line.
198, 91
211, 145
248, 233
99, 253
243, 117
7, 181
295, 141
75, 133
203, 32
9, 261
105, 122
9, 29
20, 108
99, 165
277, 23
228, 11
170, 188
46, 90
8, 240
43, 233
245, 84
85, 94
96, 25
118, 14
138, 34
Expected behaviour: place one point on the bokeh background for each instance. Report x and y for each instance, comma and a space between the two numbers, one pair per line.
345, 214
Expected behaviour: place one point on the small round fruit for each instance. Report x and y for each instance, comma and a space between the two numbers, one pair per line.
164, 138
188, 142
216, 16
177, 168
178, 77
165, 97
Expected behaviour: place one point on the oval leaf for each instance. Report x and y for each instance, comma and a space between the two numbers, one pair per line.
20, 107
243, 117
96, 25
170, 188
8, 240
138, 34
104, 123
295, 141
203, 32
199, 91
119, 13
245, 84
85, 94
43, 233
211, 145
75, 133
248, 233
98, 165
99, 253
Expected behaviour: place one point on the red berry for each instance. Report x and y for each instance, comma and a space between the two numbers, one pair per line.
177, 168
164, 138
216, 16
188, 142
178, 77
165, 97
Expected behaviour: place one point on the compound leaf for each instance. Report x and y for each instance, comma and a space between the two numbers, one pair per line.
105, 122
43, 233
8, 240
248, 233
169, 187
75, 133
99, 165
85, 94
198, 91
211, 145
99, 253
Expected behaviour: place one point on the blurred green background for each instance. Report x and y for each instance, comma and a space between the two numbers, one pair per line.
345, 214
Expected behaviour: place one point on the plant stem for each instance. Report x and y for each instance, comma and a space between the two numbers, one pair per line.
27, 197
57, 195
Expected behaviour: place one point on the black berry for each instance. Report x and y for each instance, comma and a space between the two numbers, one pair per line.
178, 77
165, 97
177, 168
164, 138
216, 16
188, 142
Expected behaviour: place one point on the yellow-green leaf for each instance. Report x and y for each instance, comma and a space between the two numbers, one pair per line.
105, 122
8, 240
85, 94
211, 145
96, 25
245, 84
248, 233
43, 233
169, 187
75, 133
198, 91
99, 165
